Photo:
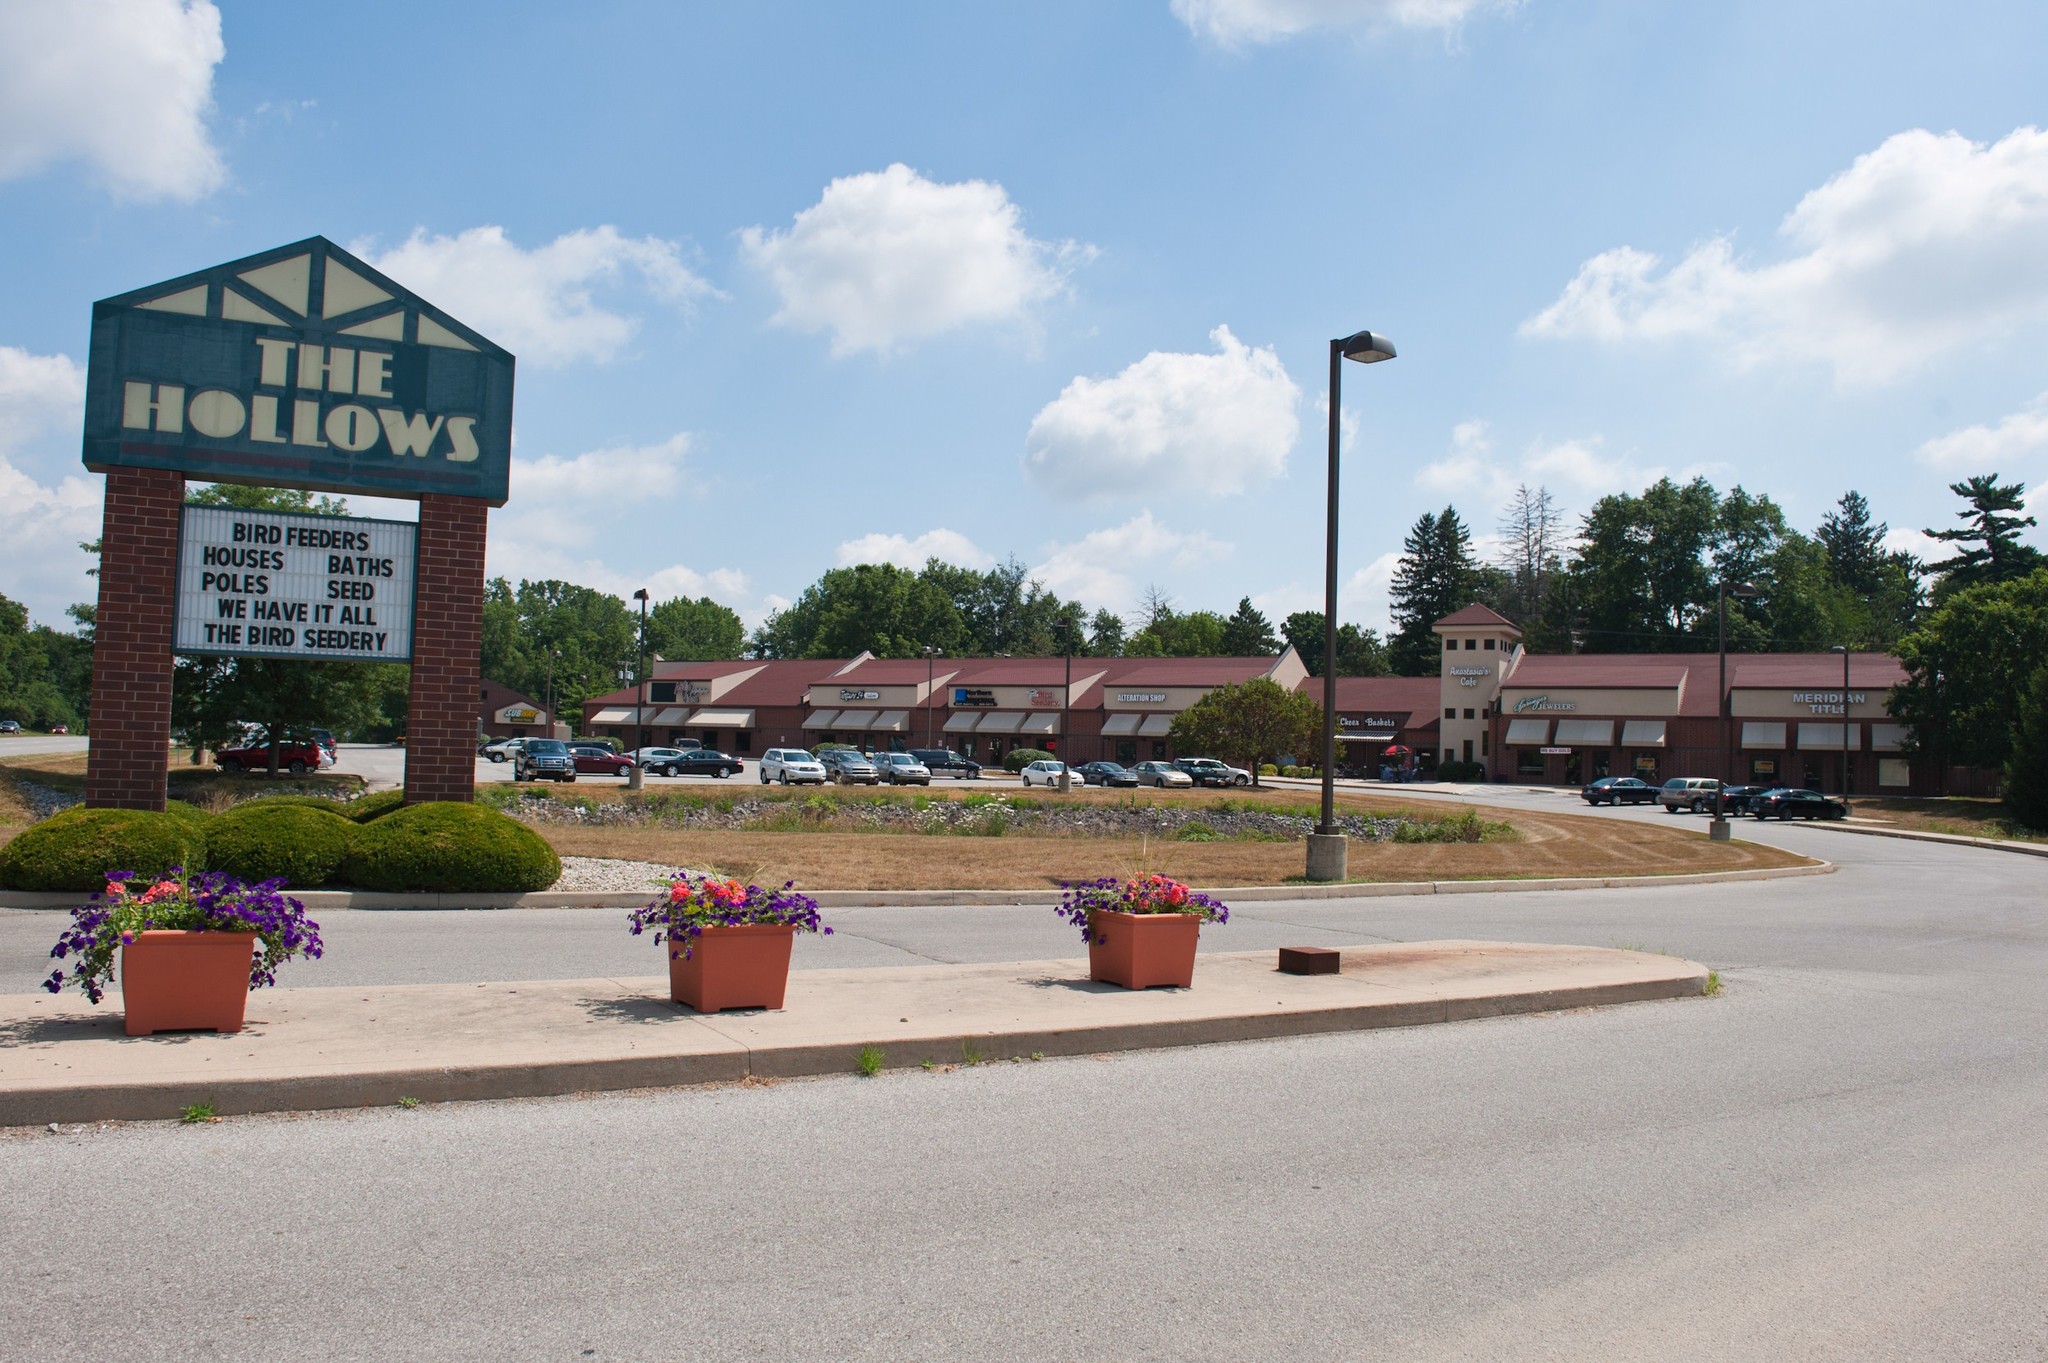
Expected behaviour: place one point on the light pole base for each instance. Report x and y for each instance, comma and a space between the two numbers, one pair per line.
1718, 831
1327, 856
635, 777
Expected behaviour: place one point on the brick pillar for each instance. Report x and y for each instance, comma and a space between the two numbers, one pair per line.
447, 651
129, 762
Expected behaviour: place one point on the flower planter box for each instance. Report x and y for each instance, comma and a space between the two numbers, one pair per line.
186, 981
1142, 950
741, 966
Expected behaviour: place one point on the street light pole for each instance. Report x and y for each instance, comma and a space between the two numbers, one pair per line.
929, 654
636, 778
1066, 700
1718, 830
553, 655
1843, 649
1327, 851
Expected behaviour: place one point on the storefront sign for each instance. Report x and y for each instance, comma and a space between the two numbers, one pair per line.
1529, 703
1369, 722
1827, 702
973, 695
850, 694
519, 714
1039, 695
1470, 671
1555, 752
1141, 697
268, 584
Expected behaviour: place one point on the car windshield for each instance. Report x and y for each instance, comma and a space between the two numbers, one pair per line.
546, 745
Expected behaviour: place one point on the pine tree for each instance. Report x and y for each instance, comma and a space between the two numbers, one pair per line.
1437, 575
1989, 539
1248, 633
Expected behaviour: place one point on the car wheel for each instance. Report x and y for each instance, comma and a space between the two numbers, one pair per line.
1240, 780
670, 770
764, 778
570, 778
496, 756
785, 778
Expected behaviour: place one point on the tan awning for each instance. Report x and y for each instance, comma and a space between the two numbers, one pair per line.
822, 719
854, 721
1763, 734
1121, 724
1826, 737
1887, 737
1642, 733
962, 722
722, 719
1528, 731
892, 721
669, 715
1040, 724
1155, 726
999, 722
1585, 733
614, 714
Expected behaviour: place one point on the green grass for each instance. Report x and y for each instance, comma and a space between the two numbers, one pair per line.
194, 1114
1712, 988
868, 1061
970, 1054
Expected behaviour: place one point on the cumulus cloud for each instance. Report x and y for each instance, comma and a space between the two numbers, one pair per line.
888, 256
1232, 23
2014, 440
122, 85
543, 304
1924, 245
1578, 468
40, 531
1102, 567
38, 393
948, 546
1217, 424
1467, 464
1366, 597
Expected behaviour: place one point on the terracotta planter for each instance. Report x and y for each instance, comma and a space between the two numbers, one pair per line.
1140, 950
186, 981
733, 967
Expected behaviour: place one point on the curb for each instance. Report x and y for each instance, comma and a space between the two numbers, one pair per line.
2025, 849
380, 901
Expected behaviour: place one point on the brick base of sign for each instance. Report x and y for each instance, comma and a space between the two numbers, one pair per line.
447, 651
129, 763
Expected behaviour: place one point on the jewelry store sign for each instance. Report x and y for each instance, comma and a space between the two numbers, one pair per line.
267, 584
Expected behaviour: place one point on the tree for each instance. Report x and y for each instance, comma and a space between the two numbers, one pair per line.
2026, 769
1882, 586
1437, 575
45, 675
1533, 543
699, 629
1248, 633
1641, 582
1249, 723
576, 637
1360, 652
1197, 634
872, 607
1968, 666
1989, 540
1106, 634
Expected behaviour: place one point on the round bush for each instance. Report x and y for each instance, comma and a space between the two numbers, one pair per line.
1019, 758
191, 813
75, 849
276, 840
450, 848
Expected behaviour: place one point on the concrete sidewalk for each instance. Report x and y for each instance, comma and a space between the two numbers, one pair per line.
62, 1060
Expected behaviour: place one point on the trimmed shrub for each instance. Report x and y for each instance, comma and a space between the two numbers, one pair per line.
1461, 771
1019, 758
75, 849
190, 813
376, 806
444, 847
1268, 769
280, 840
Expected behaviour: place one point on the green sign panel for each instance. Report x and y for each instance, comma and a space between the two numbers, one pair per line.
300, 367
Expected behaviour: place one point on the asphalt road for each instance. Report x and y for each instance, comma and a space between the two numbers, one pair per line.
1839, 1158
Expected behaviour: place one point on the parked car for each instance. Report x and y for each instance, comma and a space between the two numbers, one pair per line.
60, 728
901, 769
1163, 774
660, 761
1740, 799
1044, 772
849, 767
596, 760
946, 762
1208, 771
293, 755
1797, 804
1618, 790
544, 759
710, 762
1695, 793
502, 749
791, 766
1105, 774
10, 726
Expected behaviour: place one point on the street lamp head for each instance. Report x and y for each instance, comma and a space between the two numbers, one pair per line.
640, 595
1366, 347
1838, 648
1745, 590
932, 650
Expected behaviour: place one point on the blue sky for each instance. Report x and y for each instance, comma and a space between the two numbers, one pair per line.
796, 285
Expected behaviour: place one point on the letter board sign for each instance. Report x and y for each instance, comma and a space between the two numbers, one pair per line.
298, 367
270, 584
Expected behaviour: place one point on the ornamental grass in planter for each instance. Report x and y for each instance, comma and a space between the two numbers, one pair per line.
1141, 930
728, 943
191, 948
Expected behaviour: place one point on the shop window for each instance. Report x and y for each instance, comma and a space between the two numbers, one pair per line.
1126, 752
1528, 762
1158, 750
661, 693
1894, 771
1450, 756
1468, 750
1763, 771
1646, 768
1599, 765
742, 740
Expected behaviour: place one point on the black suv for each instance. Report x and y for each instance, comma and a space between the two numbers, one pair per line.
945, 762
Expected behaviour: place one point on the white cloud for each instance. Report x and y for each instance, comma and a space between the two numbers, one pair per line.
1927, 244
1365, 598
1234, 22
1217, 424
948, 546
542, 304
1983, 449
1102, 568
888, 256
1577, 470
1578, 466
40, 531
38, 393
124, 85
1468, 464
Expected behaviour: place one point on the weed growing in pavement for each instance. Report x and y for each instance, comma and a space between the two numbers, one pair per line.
408, 1103
970, 1054
1713, 985
930, 1064
868, 1062
196, 1113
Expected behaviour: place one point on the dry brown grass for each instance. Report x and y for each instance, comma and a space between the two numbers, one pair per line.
1963, 817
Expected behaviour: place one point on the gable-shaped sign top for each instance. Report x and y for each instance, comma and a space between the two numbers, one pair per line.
299, 367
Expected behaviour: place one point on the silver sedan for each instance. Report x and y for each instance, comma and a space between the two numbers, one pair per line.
1162, 774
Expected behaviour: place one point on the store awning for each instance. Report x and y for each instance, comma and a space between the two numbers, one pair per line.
962, 722
722, 719
1762, 734
1121, 724
1156, 726
1375, 736
822, 719
1527, 731
615, 714
1585, 733
999, 722
1040, 724
668, 715
892, 721
1826, 737
855, 721
1887, 737
1642, 733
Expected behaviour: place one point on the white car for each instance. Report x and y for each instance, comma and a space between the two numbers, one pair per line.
1044, 772
503, 749
792, 767
657, 761
901, 769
